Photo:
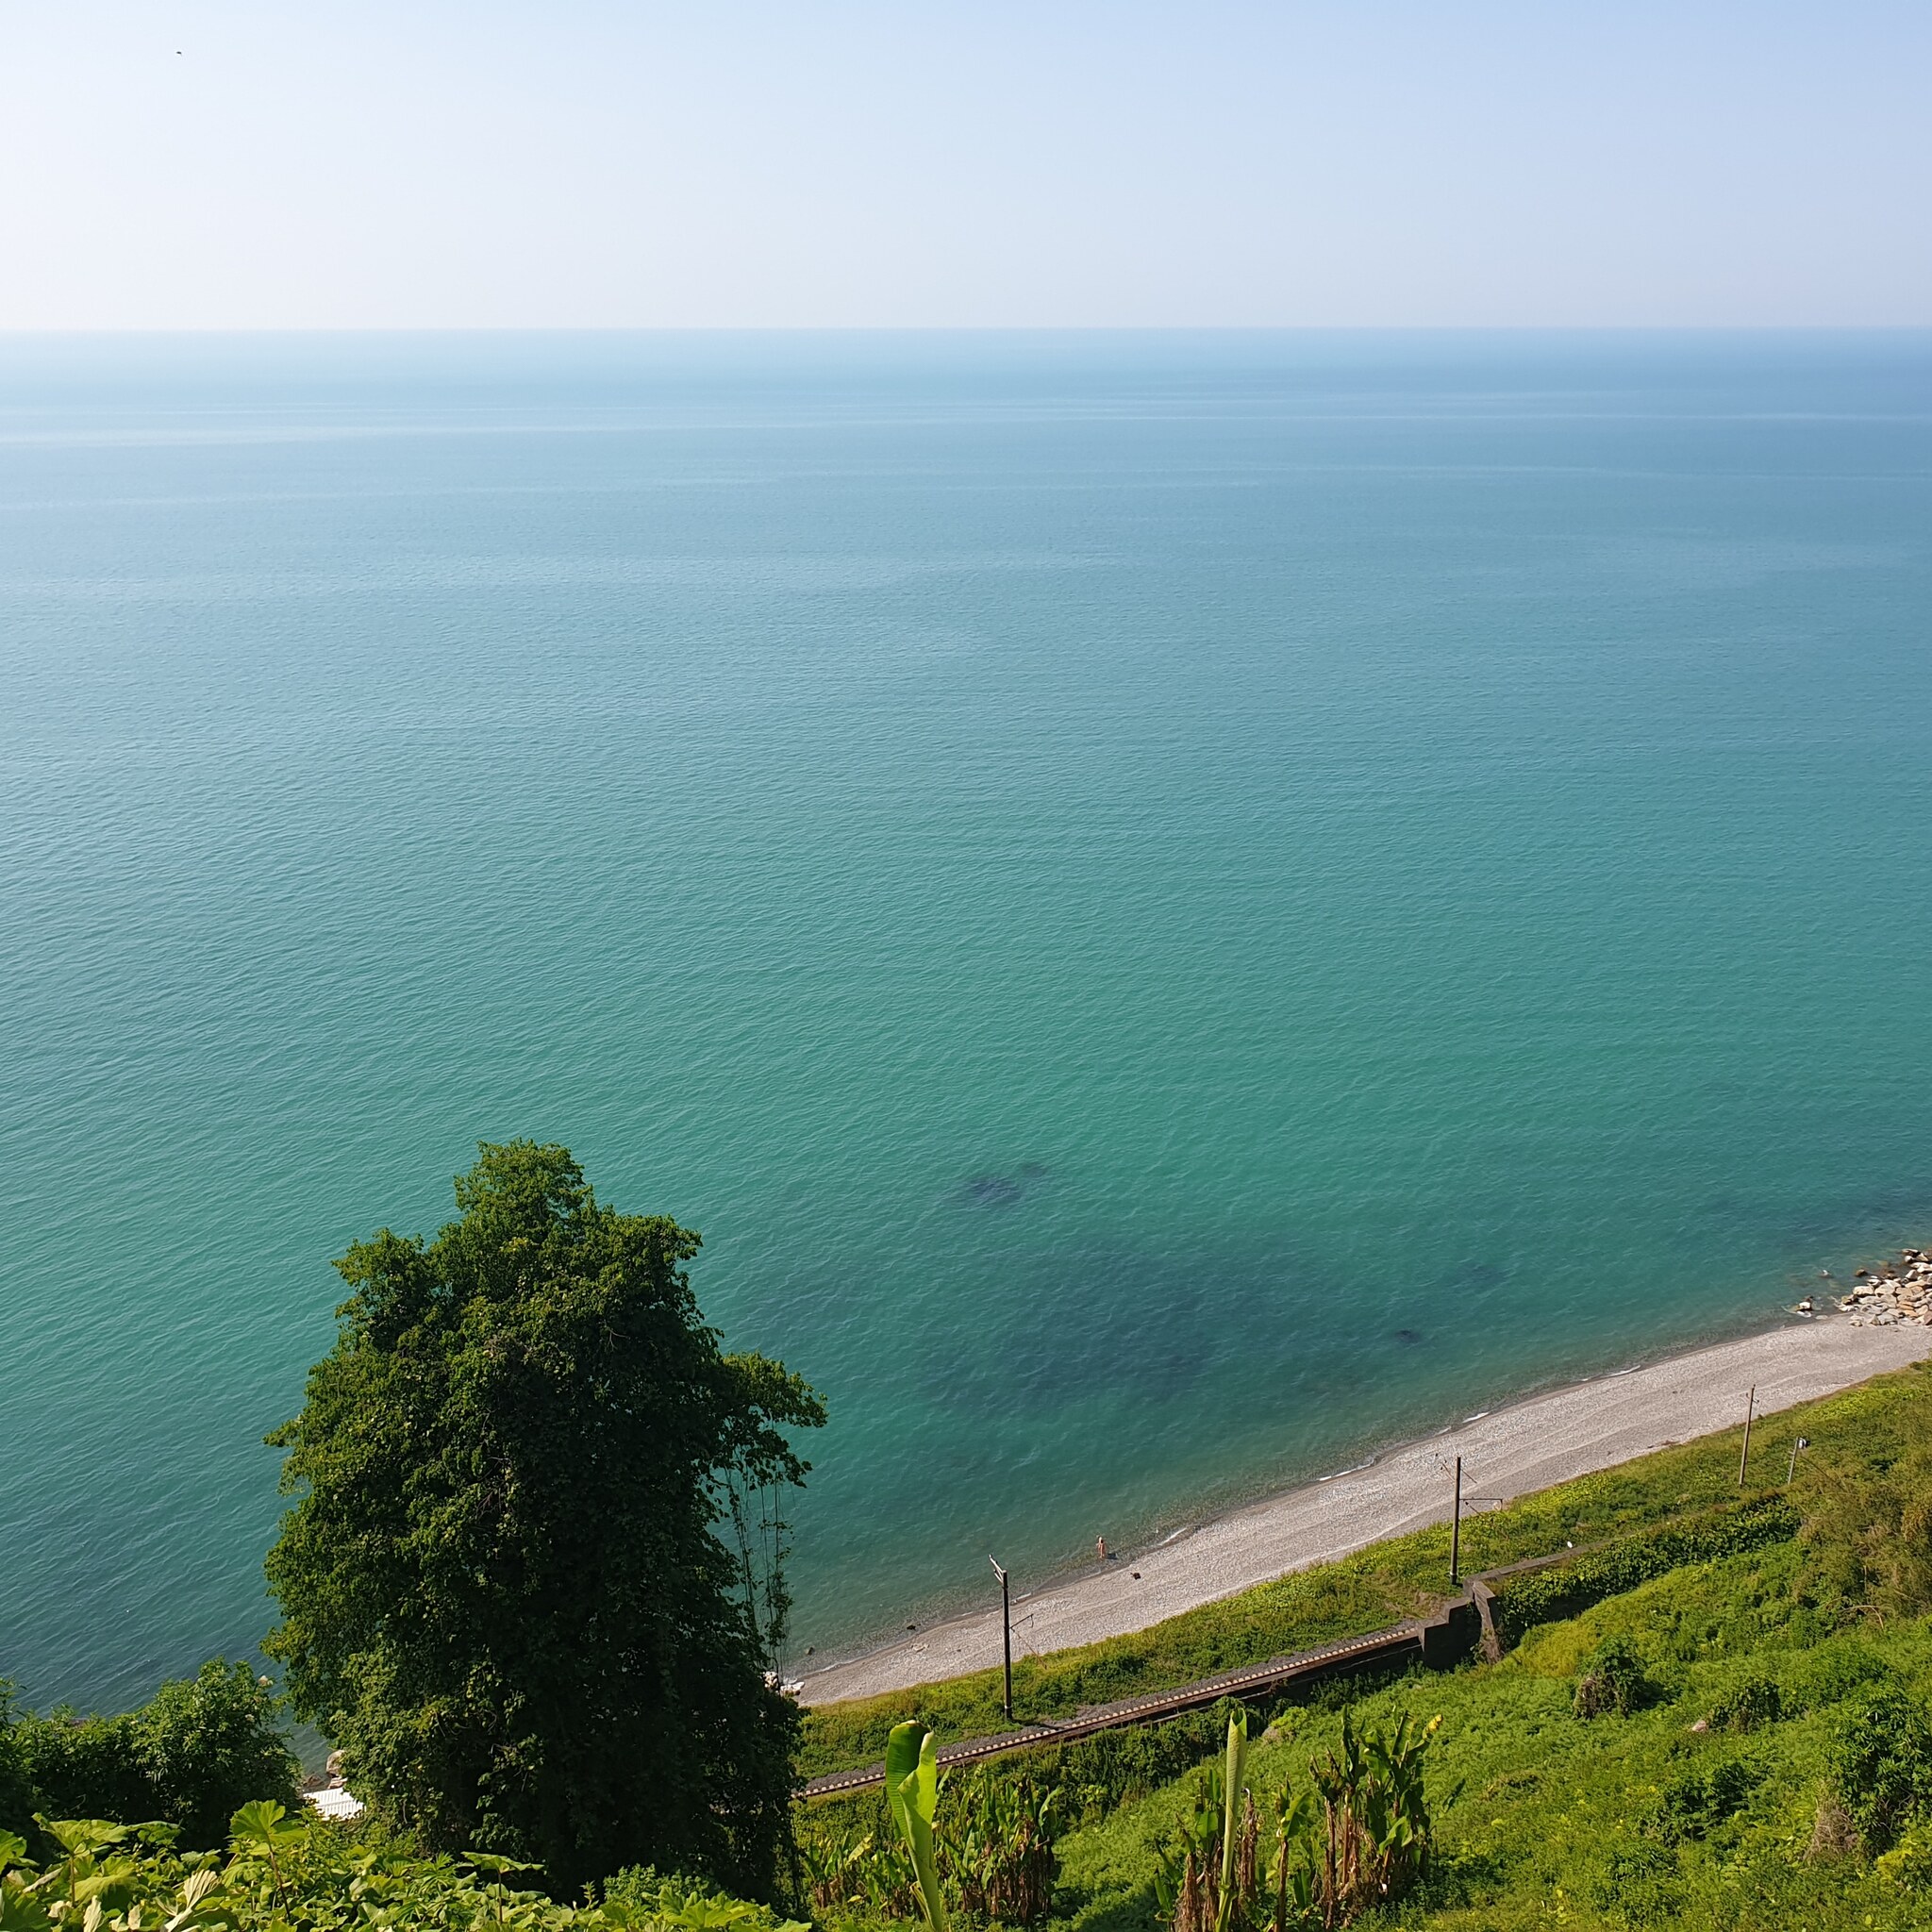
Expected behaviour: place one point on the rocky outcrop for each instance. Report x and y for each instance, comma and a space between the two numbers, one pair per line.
1888, 1296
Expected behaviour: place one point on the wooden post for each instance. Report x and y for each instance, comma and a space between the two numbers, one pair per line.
1005, 1633
1744, 1454
1456, 1531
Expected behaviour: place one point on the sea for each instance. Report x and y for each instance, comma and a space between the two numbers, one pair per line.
1175, 907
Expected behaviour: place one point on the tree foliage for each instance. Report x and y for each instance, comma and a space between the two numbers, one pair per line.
532, 1584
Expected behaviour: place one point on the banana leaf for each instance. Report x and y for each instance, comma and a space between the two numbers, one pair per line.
1230, 1824
912, 1790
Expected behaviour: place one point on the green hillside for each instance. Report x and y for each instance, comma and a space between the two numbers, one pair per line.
1762, 1755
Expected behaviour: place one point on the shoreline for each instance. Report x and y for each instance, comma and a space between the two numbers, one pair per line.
1507, 1451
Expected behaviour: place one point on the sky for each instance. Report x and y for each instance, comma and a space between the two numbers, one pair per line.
1053, 163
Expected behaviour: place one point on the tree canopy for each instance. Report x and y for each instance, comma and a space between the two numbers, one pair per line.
532, 1582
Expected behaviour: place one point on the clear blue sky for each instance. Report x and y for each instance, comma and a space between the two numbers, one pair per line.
486, 163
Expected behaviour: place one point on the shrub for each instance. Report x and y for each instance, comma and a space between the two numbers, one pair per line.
1880, 1764
205, 1746
208, 1744
1697, 1798
1755, 1700
1867, 1527
1093, 1775
1910, 1862
291, 1875
80, 1767
641, 1894
1838, 1670
17, 1794
1612, 1679
1639, 1884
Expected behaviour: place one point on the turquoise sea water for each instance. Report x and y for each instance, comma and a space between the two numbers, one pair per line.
1172, 907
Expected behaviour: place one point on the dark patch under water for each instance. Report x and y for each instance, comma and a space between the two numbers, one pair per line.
1001, 1189
1084, 1317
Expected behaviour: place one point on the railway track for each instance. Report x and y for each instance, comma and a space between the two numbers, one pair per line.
1277, 1674
1457, 1628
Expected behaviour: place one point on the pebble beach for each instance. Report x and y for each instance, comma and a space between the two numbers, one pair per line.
1528, 1445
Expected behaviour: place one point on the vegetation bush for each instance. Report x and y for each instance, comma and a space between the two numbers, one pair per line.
1613, 1681
1639, 1884
1880, 1763
1908, 1864
297, 1875
1838, 1670
1697, 1797
87, 1767
644, 1896
1868, 1527
202, 1748
18, 1797
1753, 1701
1093, 1775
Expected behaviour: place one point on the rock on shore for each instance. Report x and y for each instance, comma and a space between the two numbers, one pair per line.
1892, 1295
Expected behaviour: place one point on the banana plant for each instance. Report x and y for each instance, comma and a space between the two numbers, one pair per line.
1295, 1861
1183, 1875
1232, 1789
834, 1871
912, 1791
1002, 1846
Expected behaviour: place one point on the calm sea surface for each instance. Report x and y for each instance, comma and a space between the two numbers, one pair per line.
1172, 908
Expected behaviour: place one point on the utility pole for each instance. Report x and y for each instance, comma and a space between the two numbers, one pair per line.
1006, 1632
1802, 1442
1744, 1454
1456, 1531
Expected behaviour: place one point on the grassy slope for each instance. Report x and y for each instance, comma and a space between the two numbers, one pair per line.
1379, 1585
1543, 1819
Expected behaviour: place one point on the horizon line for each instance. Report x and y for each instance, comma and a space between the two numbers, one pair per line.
21, 332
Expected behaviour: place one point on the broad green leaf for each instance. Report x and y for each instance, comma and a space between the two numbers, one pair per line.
20, 1910
260, 1823
912, 1783
80, 1838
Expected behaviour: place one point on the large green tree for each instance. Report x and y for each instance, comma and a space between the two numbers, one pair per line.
532, 1582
